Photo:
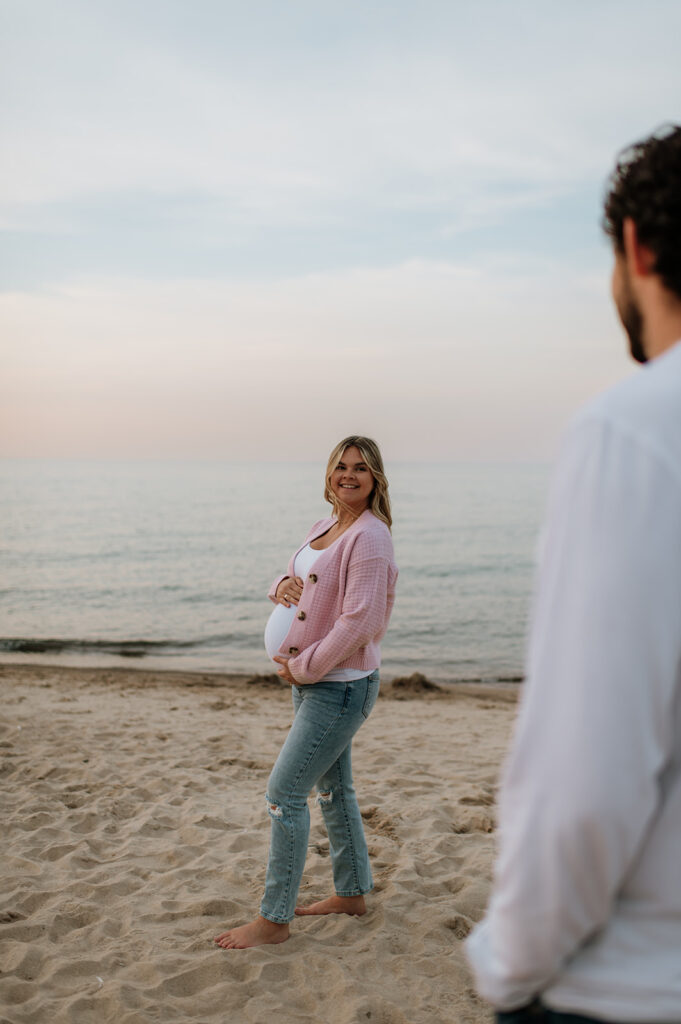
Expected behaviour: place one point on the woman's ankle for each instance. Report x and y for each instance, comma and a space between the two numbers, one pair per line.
273, 925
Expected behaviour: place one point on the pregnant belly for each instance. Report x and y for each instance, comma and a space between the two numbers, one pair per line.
278, 625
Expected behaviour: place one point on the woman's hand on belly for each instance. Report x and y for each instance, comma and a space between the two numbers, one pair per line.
289, 590
284, 671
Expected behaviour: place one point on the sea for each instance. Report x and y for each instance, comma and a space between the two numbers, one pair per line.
166, 564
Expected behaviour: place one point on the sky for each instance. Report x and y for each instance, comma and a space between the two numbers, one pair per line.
244, 230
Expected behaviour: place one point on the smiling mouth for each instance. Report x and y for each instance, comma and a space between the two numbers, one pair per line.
349, 487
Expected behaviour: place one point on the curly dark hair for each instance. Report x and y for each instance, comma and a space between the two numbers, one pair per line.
646, 186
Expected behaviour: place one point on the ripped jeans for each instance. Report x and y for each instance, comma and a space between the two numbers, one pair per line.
316, 754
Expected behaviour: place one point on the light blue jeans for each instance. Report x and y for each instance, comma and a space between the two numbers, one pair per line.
317, 754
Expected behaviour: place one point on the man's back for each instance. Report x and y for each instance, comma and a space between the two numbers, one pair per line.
600, 727
586, 909
646, 405
634, 433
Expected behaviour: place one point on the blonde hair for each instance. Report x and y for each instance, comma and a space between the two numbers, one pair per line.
379, 501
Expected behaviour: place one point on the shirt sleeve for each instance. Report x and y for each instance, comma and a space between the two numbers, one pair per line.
581, 784
369, 578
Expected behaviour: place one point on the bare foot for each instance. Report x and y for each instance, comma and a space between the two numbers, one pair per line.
336, 905
260, 932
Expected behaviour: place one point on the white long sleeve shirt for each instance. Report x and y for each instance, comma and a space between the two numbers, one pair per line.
586, 905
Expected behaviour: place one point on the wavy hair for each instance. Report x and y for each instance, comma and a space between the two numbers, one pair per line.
379, 500
646, 186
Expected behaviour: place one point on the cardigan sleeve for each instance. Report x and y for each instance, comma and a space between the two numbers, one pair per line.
369, 582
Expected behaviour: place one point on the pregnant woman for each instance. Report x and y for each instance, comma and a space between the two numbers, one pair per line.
332, 609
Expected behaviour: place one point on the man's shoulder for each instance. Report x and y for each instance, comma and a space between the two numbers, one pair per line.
371, 534
644, 408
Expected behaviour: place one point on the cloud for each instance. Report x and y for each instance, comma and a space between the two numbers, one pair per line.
440, 111
226, 222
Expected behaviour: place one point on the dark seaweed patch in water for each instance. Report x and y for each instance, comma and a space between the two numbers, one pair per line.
122, 648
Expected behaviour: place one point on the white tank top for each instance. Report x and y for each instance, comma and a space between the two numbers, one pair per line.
281, 620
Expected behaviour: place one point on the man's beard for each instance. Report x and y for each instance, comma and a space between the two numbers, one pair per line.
632, 321
633, 325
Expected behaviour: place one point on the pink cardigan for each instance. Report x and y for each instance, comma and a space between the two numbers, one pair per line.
346, 602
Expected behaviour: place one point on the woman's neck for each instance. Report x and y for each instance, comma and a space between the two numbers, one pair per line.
345, 518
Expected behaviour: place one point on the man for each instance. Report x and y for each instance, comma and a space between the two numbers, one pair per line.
584, 922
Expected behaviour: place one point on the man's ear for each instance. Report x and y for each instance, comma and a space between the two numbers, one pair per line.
640, 259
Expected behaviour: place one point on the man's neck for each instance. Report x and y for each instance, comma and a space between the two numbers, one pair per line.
658, 341
662, 323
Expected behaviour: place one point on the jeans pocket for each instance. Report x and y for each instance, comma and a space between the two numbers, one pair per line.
373, 684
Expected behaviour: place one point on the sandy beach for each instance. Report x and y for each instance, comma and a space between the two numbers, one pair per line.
134, 830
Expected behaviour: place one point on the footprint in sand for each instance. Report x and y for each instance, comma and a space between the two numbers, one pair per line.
7, 916
244, 762
382, 824
216, 823
58, 851
479, 822
477, 800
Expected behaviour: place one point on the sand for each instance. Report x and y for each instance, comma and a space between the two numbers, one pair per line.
134, 830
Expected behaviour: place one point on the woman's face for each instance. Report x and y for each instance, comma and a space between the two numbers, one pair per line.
352, 481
